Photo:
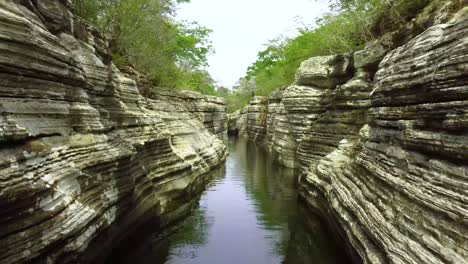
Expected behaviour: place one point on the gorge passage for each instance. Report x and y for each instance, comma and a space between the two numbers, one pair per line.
90, 153
248, 214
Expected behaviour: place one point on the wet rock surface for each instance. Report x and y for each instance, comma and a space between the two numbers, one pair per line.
382, 151
85, 158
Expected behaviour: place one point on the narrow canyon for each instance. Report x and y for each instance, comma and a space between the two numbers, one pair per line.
363, 159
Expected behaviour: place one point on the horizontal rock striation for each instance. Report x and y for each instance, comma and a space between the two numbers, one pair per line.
84, 157
237, 122
381, 148
256, 115
209, 110
284, 118
324, 120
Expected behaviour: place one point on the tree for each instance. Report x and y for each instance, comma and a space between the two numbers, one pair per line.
144, 33
223, 91
349, 25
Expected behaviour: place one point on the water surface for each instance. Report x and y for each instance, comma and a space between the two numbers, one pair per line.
249, 214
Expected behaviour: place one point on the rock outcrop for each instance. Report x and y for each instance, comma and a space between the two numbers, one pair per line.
380, 139
84, 157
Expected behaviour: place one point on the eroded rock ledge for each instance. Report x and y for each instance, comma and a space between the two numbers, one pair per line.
382, 150
84, 157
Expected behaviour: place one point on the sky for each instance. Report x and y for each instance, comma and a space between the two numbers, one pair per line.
242, 27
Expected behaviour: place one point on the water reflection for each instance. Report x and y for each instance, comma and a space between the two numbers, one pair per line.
250, 215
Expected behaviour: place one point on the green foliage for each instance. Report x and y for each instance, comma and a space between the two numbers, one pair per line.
87, 9
236, 100
143, 33
240, 95
197, 80
377, 17
277, 64
223, 91
349, 25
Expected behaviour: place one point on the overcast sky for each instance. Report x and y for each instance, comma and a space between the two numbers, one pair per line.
242, 27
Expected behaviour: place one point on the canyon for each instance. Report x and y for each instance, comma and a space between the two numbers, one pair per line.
90, 153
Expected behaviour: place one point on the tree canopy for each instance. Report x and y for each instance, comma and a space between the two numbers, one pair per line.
346, 28
144, 33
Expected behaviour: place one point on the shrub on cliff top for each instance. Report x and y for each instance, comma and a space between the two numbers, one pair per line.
143, 33
349, 25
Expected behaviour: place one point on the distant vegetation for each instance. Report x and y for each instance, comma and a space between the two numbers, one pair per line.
349, 25
144, 34
173, 54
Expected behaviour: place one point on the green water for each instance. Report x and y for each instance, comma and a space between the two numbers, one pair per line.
249, 214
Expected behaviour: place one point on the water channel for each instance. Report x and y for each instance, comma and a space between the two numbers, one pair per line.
249, 214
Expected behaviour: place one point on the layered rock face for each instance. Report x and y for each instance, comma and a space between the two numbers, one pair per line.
384, 156
85, 158
283, 119
209, 110
256, 119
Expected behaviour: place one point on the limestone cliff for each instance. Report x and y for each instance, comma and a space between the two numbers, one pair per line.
380, 137
85, 158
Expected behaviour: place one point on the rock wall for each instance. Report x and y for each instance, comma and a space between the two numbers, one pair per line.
380, 137
85, 158
209, 110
